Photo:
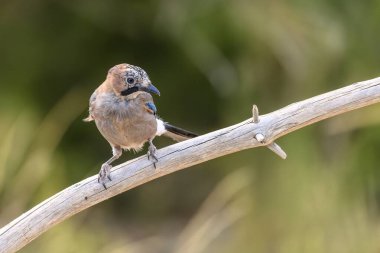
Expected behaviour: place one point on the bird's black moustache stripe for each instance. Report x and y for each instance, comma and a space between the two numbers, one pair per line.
129, 91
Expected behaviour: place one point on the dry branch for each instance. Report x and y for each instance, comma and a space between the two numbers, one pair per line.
182, 155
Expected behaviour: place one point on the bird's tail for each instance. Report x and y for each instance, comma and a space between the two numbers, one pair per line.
176, 133
88, 119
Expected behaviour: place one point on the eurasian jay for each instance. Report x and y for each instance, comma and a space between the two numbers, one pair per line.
125, 115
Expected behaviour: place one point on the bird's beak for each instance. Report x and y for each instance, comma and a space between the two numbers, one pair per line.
151, 89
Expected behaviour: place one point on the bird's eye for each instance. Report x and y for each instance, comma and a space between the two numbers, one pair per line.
130, 80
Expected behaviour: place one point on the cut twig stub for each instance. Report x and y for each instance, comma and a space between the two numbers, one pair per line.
260, 137
255, 114
272, 146
277, 150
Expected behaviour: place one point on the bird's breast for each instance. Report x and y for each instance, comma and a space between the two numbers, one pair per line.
125, 124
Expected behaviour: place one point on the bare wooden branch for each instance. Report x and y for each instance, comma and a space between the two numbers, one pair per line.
182, 155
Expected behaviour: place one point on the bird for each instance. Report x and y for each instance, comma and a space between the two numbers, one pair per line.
126, 116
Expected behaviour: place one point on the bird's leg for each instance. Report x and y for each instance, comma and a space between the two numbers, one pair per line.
105, 170
152, 153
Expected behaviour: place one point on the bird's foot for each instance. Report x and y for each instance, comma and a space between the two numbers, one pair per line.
152, 154
104, 173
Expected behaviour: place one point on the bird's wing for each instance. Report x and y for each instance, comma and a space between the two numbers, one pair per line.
173, 132
91, 105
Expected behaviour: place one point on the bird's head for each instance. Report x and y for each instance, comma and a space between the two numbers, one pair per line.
127, 79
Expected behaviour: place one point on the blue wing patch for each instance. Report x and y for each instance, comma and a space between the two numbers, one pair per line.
151, 107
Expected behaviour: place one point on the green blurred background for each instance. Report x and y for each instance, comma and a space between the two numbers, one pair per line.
211, 60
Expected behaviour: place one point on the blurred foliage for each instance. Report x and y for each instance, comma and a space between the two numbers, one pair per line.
211, 60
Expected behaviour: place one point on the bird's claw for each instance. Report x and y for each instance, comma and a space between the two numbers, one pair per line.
104, 173
152, 154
